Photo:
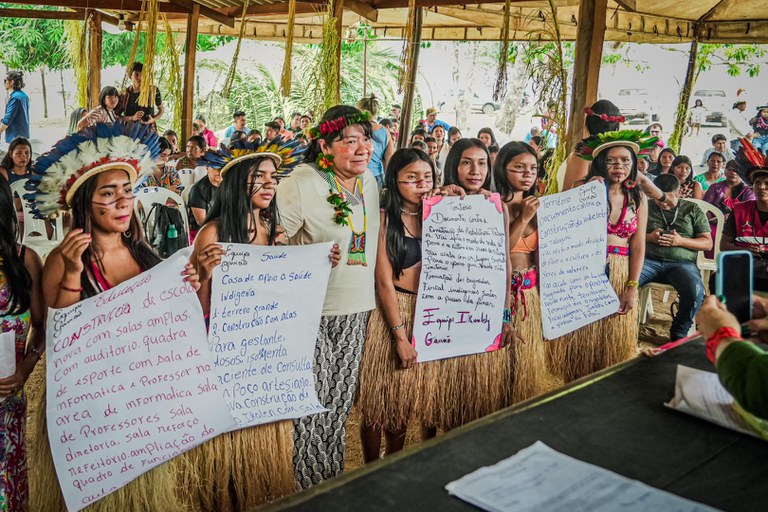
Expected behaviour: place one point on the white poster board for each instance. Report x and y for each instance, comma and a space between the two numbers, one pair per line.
460, 304
572, 249
131, 382
266, 304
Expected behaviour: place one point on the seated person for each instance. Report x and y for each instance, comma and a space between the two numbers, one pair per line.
173, 140
421, 145
196, 148
677, 230
714, 173
642, 164
201, 199
163, 176
418, 134
725, 194
747, 226
720, 145
253, 136
741, 365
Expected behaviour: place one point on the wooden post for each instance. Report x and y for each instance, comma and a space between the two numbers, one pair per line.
410, 84
94, 58
586, 66
338, 13
676, 139
190, 52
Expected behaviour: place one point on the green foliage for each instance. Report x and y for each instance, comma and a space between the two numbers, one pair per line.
116, 48
28, 44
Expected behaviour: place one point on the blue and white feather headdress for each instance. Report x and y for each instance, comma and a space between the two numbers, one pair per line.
286, 154
56, 175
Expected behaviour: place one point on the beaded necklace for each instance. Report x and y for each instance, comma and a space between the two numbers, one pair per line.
356, 252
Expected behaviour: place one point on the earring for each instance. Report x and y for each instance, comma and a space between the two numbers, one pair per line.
629, 184
127, 234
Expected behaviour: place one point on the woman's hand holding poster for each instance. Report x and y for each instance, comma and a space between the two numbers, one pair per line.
572, 249
266, 304
130, 382
460, 304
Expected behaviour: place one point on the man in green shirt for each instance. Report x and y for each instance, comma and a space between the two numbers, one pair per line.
677, 231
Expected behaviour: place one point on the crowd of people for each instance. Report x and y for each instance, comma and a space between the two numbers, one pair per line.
340, 179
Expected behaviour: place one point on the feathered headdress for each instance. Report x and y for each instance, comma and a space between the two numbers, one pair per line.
56, 175
750, 162
286, 155
636, 140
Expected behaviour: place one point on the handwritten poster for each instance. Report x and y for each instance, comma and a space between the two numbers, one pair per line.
266, 304
460, 304
131, 382
574, 288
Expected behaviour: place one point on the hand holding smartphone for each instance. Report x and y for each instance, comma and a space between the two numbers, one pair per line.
734, 283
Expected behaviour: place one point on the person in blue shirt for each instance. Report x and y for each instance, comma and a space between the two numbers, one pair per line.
433, 121
15, 122
238, 119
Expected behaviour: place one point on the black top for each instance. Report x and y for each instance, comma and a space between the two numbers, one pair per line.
760, 267
412, 252
129, 104
202, 195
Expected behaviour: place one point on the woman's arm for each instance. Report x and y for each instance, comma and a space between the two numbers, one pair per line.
517, 227
649, 189
389, 151
636, 258
207, 253
385, 291
698, 192
37, 314
576, 170
63, 270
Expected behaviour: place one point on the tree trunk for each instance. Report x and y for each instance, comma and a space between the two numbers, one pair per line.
464, 80
63, 92
45, 93
676, 139
512, 102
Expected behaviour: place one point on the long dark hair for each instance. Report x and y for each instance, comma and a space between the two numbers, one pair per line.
596, 124
392, 204
682, 159
233, 208
599, 168
331, 114
142, 253
489, 132
12, 265
509, 151
105, 93
666, 150
7, 162
451, 167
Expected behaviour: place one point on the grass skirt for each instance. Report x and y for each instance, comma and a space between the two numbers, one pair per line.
153, 491
600, 344
528, 359
239, 470
387, 392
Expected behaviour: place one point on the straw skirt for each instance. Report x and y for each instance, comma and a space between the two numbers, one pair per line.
528, 359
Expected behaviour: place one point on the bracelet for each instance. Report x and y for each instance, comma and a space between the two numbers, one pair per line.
663, 197
35, 351
507, 316
73, 290
633, 284
717, 337
397, 327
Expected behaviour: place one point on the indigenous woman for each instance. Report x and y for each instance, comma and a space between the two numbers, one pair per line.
93, 173
481, 383
245, 468
163, 176
486, 136
683, 170
335, 198
613, 339
725, 195
105, 112
22, 312
747, 227
17, 161
388, 372
515, 173
664, 164
714, 173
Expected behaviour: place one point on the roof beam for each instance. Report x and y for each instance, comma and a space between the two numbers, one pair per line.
362, 9
722, 5
628, 5
207, 12
271, 9
45, 15
480, 17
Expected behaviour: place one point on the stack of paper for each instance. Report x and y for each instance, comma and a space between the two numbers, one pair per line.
540, 479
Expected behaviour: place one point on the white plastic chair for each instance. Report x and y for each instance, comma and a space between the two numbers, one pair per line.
187, 177
35, 233
146, 197
200, 172
706, 265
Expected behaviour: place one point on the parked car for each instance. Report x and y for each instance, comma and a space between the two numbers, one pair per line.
715, 102
635, 106
485, 106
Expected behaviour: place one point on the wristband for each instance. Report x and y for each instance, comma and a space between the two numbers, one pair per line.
34, 351
73, 290
507, 316
397, 327
663, 197
718, 336
633, 284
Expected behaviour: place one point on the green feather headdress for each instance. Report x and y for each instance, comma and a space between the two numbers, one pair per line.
638, 141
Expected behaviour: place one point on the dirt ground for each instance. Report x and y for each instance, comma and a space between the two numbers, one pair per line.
657, 328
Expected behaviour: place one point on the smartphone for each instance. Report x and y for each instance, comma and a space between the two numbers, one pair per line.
734, 283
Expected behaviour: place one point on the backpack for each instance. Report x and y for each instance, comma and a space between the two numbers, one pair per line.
160, 225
